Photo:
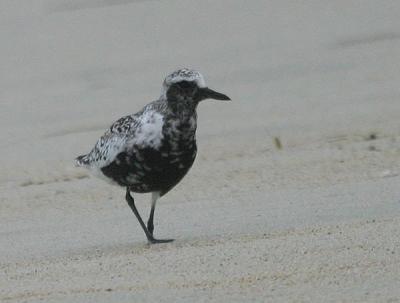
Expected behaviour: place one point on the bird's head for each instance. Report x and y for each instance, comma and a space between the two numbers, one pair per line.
187, 87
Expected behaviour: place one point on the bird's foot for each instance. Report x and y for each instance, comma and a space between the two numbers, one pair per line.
153, 240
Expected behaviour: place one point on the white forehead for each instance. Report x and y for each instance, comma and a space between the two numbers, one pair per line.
185, 74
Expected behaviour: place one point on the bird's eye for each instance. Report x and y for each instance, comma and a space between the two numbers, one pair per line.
184, 84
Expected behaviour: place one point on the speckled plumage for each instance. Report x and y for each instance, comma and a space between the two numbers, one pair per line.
152, 150
147, 151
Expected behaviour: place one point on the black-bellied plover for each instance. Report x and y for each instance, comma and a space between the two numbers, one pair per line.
152, 150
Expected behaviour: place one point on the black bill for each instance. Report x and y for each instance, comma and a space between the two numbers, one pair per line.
208, 93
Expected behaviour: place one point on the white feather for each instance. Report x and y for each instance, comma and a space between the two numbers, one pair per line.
149, 133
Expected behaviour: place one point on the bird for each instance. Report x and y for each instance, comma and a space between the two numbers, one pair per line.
152, 150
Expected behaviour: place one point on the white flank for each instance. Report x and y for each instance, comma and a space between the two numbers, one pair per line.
149, 133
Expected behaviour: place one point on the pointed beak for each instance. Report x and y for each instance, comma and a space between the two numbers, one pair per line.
207, 93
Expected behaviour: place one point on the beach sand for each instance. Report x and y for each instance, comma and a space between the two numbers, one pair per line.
316, 219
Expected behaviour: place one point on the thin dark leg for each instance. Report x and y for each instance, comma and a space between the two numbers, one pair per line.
149, 236
154, 198
150, 225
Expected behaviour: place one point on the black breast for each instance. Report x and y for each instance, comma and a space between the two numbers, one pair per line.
148, 169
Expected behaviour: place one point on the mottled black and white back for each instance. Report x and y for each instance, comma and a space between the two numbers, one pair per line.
152, 150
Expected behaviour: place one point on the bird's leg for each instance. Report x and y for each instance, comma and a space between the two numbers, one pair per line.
150, 225
154, 198
149, 236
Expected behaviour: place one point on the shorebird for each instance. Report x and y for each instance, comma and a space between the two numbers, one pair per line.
152, 150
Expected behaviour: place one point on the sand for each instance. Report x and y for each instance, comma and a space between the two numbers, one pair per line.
317, 220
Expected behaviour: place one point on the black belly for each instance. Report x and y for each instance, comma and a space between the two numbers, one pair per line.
146, 169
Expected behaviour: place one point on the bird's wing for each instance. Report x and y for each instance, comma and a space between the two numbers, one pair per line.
143, 129
113, 142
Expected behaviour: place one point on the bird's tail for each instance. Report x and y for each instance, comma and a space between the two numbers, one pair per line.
82, 160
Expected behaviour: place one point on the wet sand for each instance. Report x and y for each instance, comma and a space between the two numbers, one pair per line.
316, 220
